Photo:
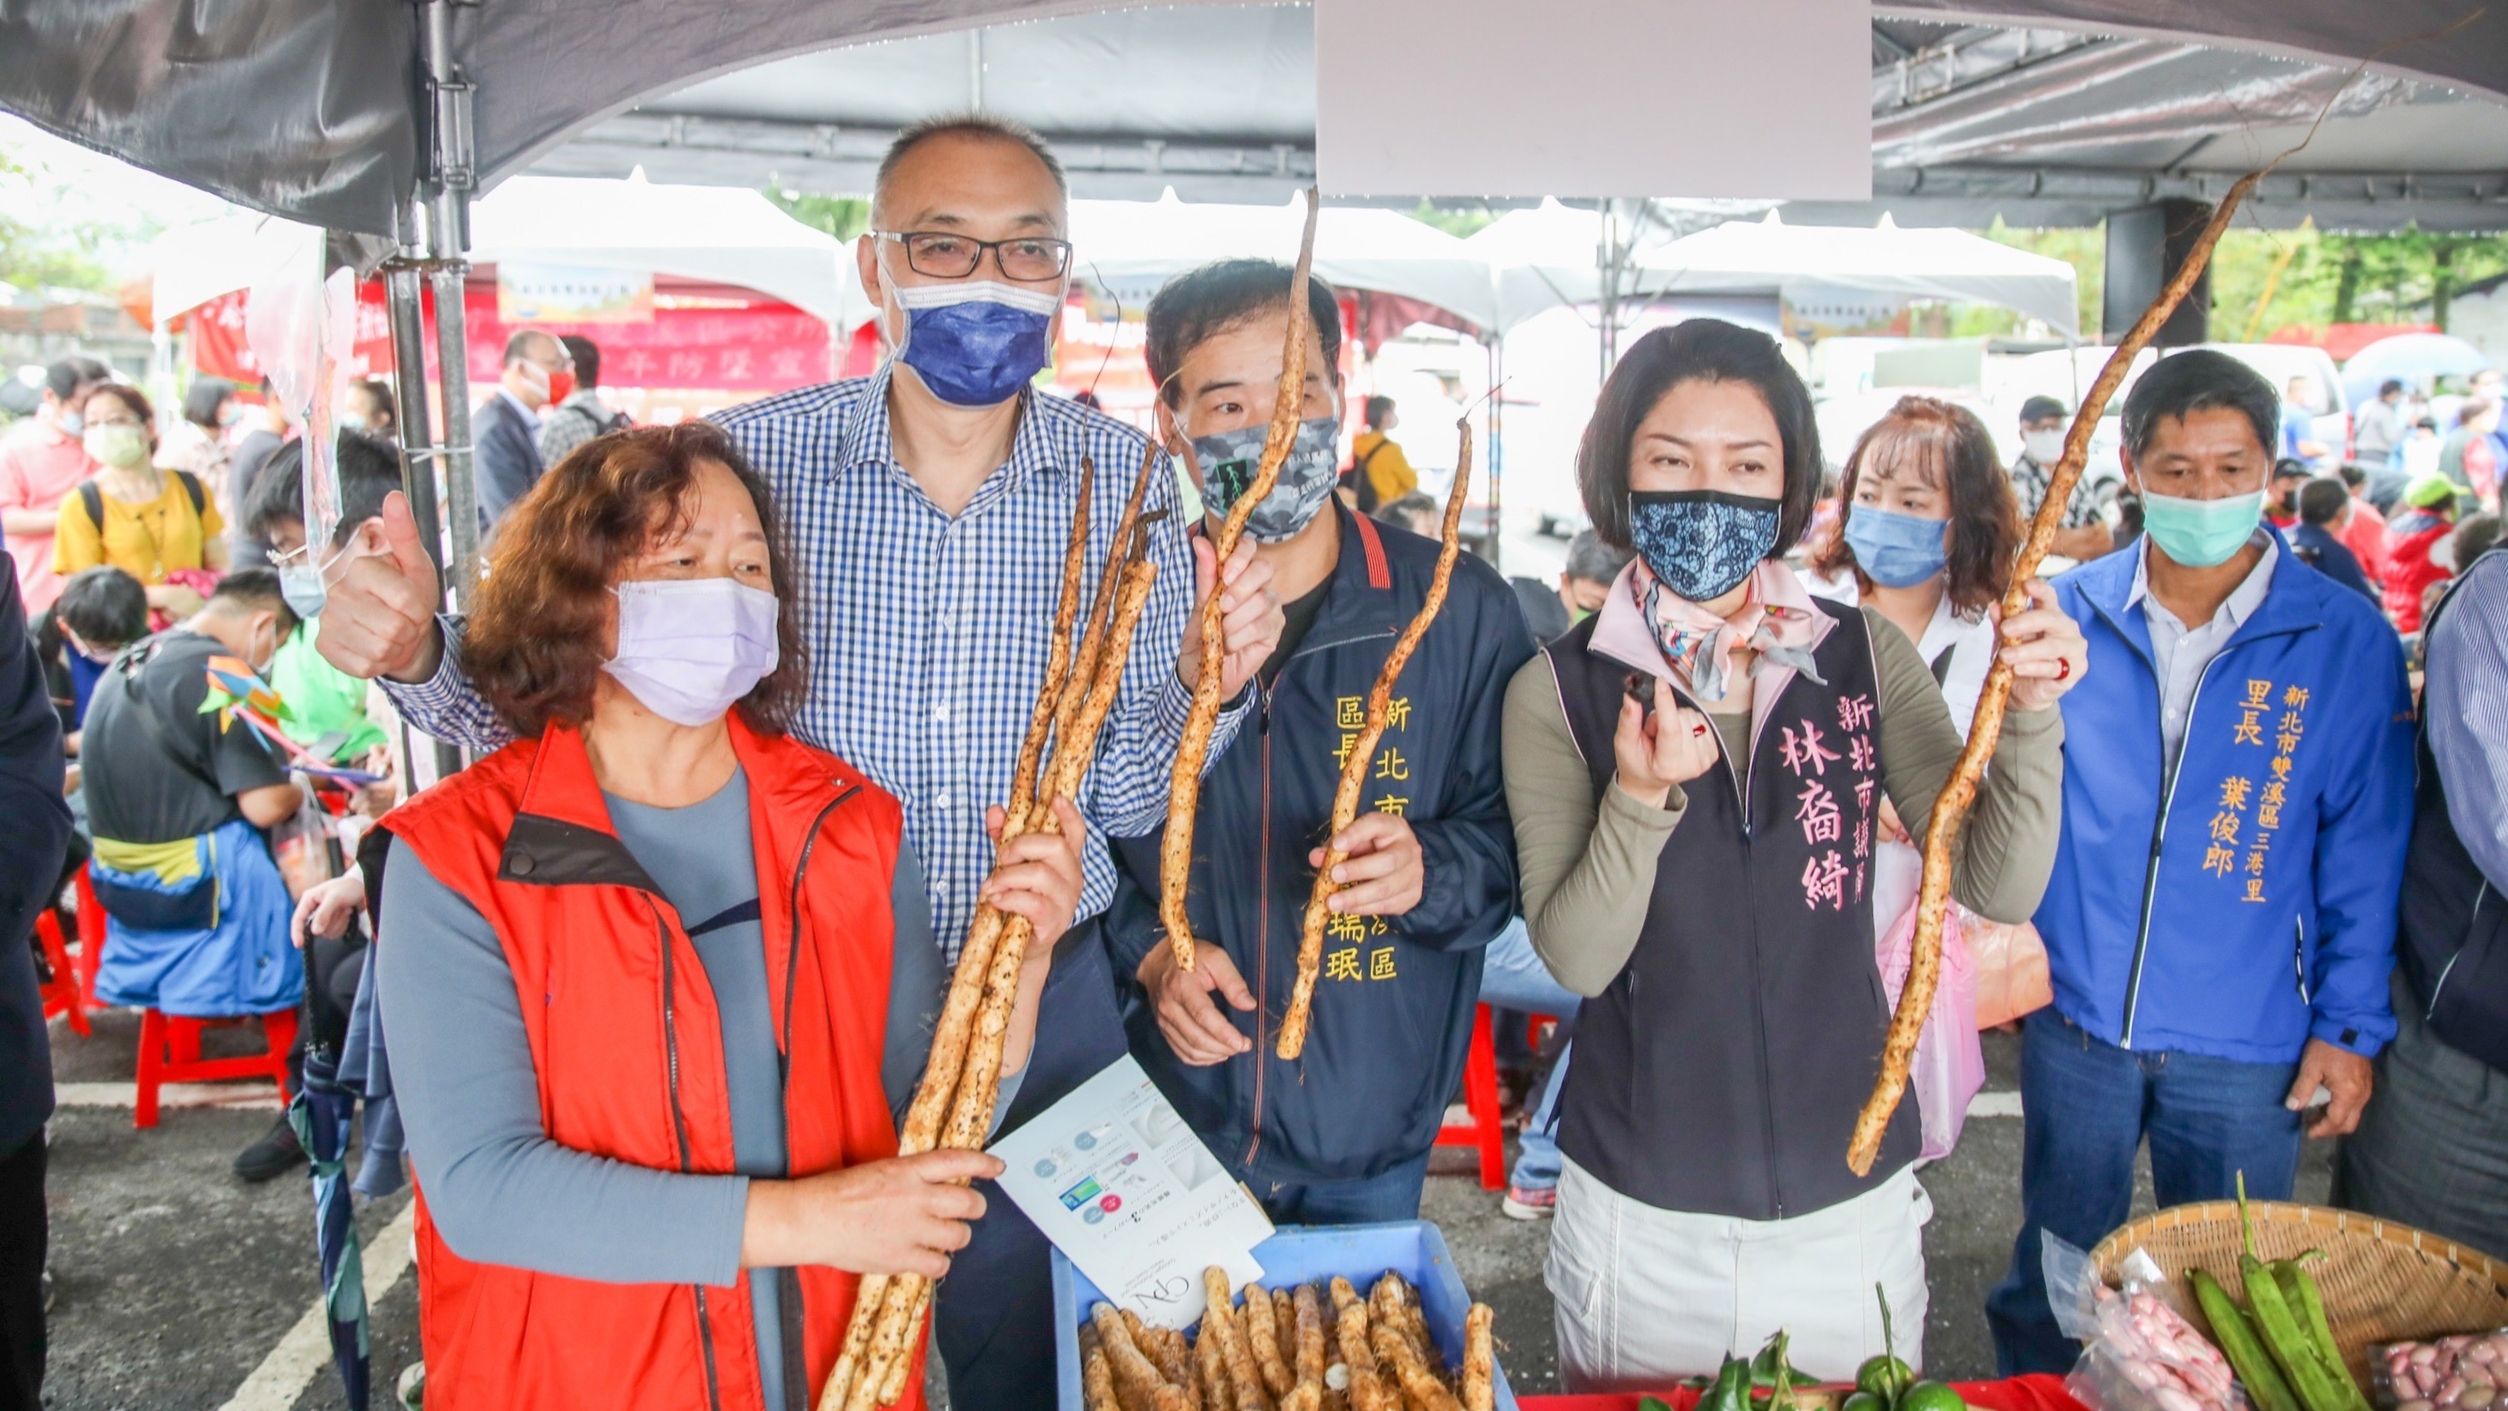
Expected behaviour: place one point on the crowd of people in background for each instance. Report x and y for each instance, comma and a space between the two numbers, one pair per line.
1671, 797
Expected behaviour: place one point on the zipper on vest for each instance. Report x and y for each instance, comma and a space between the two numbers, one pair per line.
679, 1129
2159, 842
1262, 928
1759, 1012
797, 1396
2430, 1015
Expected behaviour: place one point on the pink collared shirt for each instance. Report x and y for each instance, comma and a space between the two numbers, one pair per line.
39, 466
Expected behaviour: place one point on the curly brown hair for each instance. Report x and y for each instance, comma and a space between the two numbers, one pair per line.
1948, 449
541, 618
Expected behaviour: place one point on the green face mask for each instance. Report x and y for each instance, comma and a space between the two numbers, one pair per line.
2201, 533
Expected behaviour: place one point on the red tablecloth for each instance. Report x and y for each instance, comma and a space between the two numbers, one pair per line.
2038, 1393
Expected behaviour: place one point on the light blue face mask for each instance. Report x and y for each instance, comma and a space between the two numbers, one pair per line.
1897, 550
2201, 533
1229, 458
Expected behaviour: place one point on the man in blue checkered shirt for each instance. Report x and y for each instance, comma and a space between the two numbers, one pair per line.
929, 507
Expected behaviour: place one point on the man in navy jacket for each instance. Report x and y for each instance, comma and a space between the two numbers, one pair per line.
505, 430
2220, 924
1342, 1135
34, 840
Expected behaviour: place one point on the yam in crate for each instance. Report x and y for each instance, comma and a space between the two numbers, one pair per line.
1297, 1255
2383, 1282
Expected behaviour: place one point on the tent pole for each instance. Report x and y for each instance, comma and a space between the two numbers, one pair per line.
452, 352
451, 177
402, 287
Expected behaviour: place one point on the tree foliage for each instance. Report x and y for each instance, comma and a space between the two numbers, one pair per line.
2406, 277
841, 216
48, 253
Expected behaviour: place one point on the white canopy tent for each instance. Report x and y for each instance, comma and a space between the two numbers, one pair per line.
712, 234
1130, 247
1554, 254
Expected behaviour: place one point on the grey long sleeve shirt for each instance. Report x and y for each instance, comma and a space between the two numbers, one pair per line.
497, 1186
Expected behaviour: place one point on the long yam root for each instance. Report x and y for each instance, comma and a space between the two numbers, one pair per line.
1057, 656
1352, 1330
1309, 1312
1137, 1380
1184, 785
971, 1115
961, 1078
1210, 1364
1959, 794
1262, 1330
1480, 1361
1097, 1382
1420, 1386
1345, 798
1221, 1321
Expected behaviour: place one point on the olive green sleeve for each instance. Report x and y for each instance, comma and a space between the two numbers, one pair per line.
1587, 872
2008, 850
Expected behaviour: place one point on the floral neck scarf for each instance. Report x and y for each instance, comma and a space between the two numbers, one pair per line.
1774, 620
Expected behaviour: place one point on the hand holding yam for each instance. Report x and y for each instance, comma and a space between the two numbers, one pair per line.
1184, 785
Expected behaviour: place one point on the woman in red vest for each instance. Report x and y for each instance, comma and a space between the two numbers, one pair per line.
2420, 548
658, 975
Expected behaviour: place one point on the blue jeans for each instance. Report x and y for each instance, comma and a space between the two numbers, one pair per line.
2086, 1107
1513, 977
1393, 1195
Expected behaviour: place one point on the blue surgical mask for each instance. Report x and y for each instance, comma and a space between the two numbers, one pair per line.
1897, 550
2201, 533
1229, 458
975, 342
72, 423
301, 585
1701, 544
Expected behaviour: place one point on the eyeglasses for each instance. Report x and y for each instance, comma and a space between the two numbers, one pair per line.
937, 254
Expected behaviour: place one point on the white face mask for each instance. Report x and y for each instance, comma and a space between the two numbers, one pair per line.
689, 648
2044, 447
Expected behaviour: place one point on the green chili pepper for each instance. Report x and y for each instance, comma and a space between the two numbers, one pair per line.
2299, 1290
2238, 1340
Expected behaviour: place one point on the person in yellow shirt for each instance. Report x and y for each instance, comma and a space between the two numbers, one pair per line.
152, 524
1379, 472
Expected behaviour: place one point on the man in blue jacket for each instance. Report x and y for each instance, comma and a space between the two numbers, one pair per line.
2245, 734
34, 836
1341, 1136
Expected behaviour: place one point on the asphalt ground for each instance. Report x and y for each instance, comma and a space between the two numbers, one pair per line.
177, 1285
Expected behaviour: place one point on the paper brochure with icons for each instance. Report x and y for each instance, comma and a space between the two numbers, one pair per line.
1123, 1187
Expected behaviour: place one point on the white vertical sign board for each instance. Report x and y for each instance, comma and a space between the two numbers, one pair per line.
1586, 98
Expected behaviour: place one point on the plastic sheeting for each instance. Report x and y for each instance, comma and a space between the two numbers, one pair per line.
1551, 255
1130, 248
699, 233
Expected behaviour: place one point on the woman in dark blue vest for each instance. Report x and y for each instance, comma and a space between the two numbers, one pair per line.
1695, 775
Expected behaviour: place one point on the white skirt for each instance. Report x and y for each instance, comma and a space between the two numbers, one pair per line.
1645, 1297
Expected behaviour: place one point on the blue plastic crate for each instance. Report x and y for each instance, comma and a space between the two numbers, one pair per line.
1299, 1254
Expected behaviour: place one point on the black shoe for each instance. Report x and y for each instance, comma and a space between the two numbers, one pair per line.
274, 1155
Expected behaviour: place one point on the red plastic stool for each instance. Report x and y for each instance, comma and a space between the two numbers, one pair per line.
61, 993
169, 1052
1486, 1131
91, 938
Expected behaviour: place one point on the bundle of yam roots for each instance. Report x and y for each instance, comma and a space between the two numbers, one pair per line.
1292, 1349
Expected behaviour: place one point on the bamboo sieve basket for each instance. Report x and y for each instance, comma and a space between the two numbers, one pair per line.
2383, 1282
